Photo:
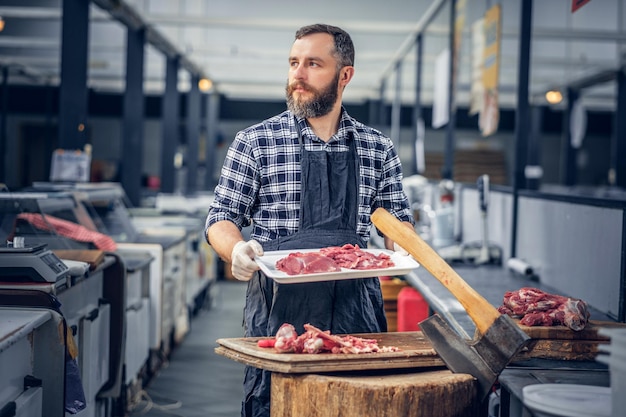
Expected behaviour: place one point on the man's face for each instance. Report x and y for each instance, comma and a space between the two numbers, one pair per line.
313, 85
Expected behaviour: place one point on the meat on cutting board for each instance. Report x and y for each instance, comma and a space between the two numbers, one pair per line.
539, 308
314, 340
332, 259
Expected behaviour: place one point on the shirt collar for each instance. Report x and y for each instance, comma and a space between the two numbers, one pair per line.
346, 126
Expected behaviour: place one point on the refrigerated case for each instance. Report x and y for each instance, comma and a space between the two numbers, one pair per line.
90, 297
137, 309
171, 214
32, 359
90, 305
200, 258
108, 214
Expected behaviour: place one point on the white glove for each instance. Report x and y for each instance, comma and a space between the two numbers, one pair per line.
242, 259
399, 249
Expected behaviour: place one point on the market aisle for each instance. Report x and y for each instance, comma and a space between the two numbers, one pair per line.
197, 382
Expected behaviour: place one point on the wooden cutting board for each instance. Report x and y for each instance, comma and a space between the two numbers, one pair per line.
92, 257
590, 332
562, 343
416, 352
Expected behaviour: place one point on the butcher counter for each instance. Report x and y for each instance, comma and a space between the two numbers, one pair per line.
415, 377
492, 281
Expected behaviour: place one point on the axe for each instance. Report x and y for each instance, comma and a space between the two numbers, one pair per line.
499, 338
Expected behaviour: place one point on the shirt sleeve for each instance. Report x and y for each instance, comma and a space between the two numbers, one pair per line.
237, 188
391, 195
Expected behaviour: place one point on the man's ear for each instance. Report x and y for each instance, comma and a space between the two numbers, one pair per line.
346, 75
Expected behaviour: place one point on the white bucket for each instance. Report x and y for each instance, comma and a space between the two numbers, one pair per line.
615, 357
567, 400
618, 386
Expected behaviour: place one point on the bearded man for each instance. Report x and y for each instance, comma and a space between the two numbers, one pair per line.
307, 178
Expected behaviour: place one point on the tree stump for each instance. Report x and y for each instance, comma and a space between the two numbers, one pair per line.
437, 393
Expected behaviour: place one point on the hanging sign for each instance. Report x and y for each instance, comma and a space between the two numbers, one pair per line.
459, 24
490, 112
440, 93
476, 87
577, 124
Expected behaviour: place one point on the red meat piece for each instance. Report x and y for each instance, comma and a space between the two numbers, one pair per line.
298, 263
539, 308
353, 257
286, 337
314, 340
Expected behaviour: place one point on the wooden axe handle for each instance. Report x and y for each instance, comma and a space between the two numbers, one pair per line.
478, 308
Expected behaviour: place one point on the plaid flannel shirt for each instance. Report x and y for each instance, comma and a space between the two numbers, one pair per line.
260, 178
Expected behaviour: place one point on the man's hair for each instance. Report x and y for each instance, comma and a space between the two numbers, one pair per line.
344, 48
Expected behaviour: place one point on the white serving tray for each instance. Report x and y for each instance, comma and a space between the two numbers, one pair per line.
403, 265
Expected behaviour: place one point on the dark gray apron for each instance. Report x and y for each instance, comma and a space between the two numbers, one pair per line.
328, 217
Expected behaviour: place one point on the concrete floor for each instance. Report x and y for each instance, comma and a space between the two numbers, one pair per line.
196, 382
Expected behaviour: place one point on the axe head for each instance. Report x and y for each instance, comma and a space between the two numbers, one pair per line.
484, 357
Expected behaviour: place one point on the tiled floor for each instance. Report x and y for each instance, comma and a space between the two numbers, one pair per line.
197, 382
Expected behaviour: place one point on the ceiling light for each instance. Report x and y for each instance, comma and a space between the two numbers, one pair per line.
1, 24
205, 84
554, 96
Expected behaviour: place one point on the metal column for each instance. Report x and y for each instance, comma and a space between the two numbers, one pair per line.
618, 162
568, 152
4, 102
521, 115
533, 171
382, 111
213, 111
193, 131
447, 171
73, 88
418, 122
132, 128
396, 107
170, 106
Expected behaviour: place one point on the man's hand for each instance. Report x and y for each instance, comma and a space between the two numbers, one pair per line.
242, 259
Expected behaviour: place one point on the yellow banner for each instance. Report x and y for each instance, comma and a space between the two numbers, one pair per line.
491, 53
489, 117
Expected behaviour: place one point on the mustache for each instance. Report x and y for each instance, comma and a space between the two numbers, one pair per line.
299, 84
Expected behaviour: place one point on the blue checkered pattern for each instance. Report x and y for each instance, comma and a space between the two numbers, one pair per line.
260, 178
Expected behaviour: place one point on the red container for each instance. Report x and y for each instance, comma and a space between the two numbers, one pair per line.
412, 308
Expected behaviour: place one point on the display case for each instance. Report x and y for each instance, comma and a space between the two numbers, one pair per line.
90, 297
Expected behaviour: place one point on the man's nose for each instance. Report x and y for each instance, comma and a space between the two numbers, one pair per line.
299, 72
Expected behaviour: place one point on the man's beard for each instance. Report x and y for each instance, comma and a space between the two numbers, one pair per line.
320, 104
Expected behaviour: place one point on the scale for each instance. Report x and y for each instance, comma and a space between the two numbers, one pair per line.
32, 267
481, 252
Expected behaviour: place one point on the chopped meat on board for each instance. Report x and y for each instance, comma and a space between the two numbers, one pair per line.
539, 308
285, 340
314, 340
332, 259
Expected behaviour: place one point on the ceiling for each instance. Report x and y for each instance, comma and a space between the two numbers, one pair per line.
242, 45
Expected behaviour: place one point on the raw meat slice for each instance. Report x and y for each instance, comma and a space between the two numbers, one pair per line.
298, 263
332, 259
352, 257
